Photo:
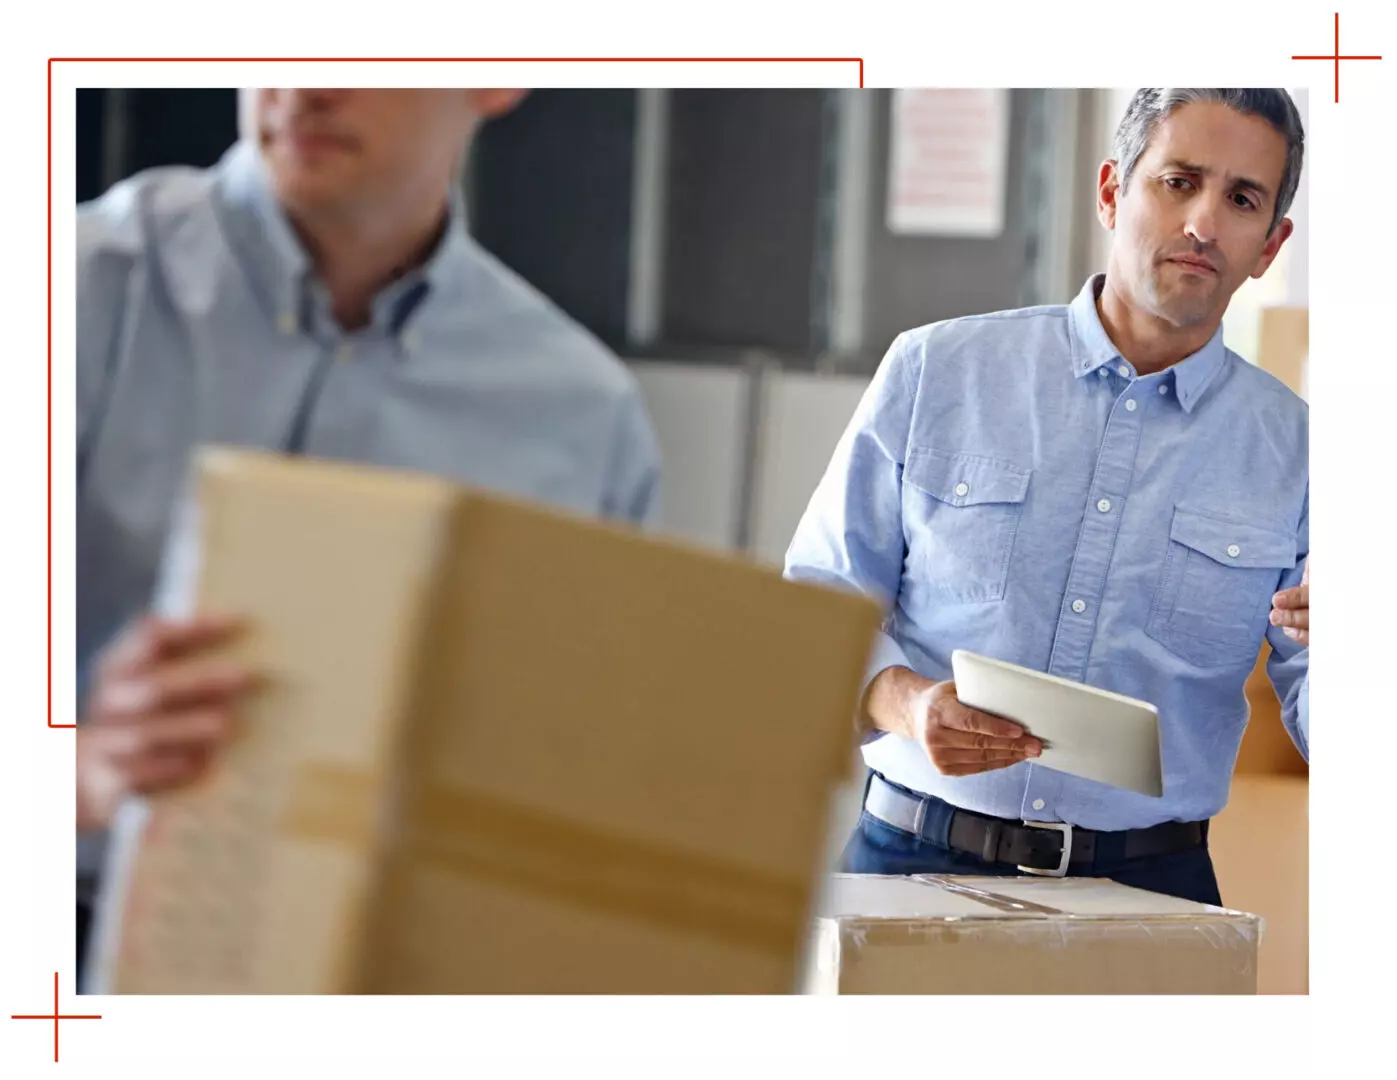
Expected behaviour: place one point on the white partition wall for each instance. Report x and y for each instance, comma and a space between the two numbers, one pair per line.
700, 416
801, 419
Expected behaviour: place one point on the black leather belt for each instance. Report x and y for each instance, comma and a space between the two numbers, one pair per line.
1048, 847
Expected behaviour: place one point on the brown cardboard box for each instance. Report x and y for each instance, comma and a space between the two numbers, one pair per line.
502, 751
987, 935
1267, 747
1284, 344
1260, 846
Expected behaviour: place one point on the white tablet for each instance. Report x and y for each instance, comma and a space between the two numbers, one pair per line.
1086, 732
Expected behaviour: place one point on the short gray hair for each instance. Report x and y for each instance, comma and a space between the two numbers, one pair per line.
1151, 105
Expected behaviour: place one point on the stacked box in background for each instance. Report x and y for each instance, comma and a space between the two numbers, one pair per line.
1260, 842
502, 750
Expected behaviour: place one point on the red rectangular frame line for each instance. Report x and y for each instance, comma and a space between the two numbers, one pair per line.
326, 60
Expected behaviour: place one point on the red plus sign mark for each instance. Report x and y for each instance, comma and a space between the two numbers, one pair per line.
1336, 57
55, 1016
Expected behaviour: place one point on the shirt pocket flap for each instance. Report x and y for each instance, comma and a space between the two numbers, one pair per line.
965, 479
1232, 543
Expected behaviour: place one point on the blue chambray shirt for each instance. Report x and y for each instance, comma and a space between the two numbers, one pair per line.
199, 321
1010, 486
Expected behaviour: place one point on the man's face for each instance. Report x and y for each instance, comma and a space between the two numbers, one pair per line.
337, 151
1194, 223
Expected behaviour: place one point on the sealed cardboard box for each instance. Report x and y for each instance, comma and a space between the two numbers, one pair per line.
501, 750
929, 934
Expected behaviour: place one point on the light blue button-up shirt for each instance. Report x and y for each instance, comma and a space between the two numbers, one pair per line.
1009, 485
199, 320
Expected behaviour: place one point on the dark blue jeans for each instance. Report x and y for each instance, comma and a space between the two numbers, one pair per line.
879, 848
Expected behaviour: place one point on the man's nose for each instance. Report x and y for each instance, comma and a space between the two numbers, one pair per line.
311, 100
1201, 225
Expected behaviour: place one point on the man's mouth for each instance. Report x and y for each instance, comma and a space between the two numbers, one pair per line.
1194, 263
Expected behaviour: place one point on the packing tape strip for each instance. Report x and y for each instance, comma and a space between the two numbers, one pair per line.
484, 838
998, 901
335, 804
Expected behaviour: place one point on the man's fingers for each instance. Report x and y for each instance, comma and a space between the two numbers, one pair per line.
194, 730
152, 639
175, 637
159, 772
979, 743
1300, 618
173, 687
1291, 599
959, 717
956, 755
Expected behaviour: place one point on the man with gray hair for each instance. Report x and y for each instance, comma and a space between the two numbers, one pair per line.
1101, 491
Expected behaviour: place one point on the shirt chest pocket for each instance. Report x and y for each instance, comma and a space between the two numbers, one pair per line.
960, 516
1213, 602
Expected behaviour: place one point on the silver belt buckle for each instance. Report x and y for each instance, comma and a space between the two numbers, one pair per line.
1066, 830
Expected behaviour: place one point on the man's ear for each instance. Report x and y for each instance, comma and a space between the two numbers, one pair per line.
492, 103
1108, 189
1279, 235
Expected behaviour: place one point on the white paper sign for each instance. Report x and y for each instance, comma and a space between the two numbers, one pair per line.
949, 154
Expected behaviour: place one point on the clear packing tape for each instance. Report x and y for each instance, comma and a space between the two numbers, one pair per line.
931, 934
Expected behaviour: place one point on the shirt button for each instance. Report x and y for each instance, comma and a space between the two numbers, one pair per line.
1234, 550
1163, 390
962, 489
1102, 372
286, 323
1130, 405
410, 341
1079, 606
1104, 506
1038, 804
344, 353
1123, 372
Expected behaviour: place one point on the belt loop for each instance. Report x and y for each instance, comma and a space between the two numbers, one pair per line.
919, 822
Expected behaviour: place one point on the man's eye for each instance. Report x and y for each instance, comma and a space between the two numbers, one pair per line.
1243, 202
1177, 183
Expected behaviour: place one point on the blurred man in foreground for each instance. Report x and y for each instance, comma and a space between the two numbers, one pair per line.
317, 293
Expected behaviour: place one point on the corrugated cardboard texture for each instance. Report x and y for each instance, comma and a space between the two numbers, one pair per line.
508, 750
334, 571
980, 935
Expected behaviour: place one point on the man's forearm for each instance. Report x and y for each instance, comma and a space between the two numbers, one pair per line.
885, 701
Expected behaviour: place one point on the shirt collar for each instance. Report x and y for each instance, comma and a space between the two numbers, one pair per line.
1092, 348
280, 268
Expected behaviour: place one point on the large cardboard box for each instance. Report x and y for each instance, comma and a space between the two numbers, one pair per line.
929, 934
502, 750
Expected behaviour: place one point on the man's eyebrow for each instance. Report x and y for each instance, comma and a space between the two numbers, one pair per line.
1245, 182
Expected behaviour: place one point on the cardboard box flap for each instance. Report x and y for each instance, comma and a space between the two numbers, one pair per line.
933, 897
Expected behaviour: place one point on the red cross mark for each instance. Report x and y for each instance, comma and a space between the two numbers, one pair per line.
1336, 57
55, 1016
